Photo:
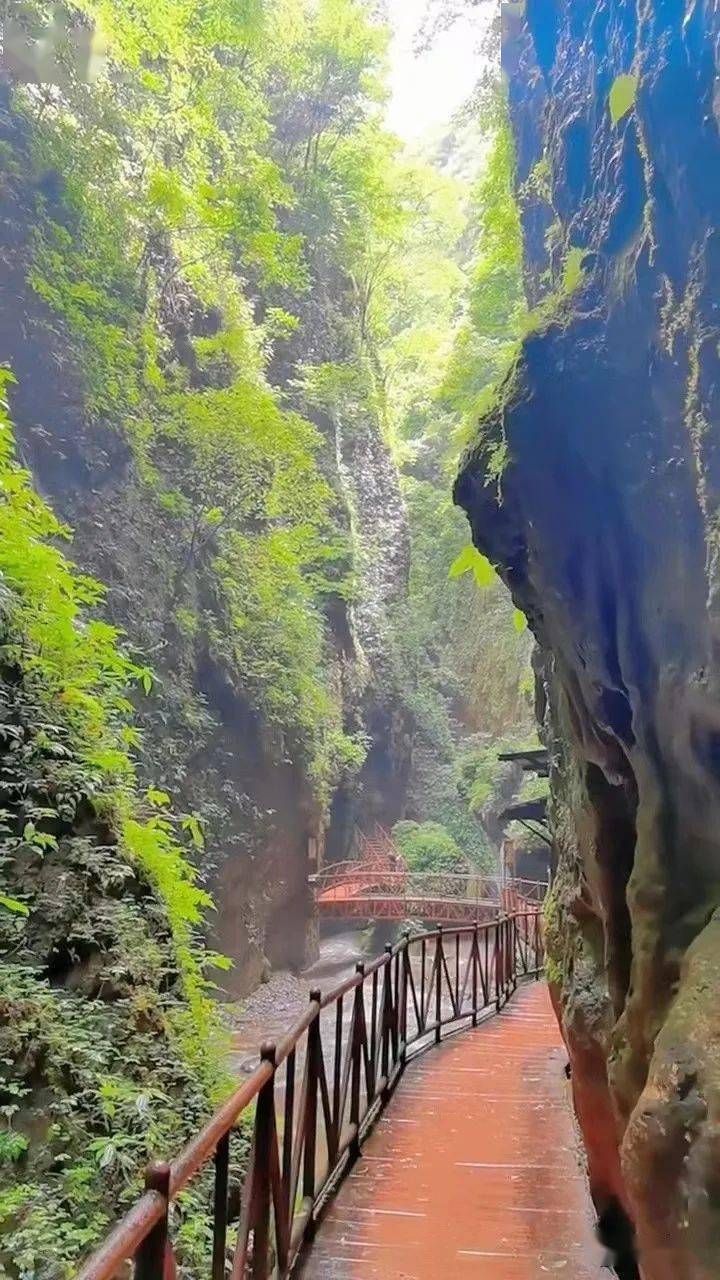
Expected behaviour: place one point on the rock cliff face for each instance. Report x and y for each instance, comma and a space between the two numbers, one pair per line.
604, 523
218, 755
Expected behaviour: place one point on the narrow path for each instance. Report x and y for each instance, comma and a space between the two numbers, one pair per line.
474, 1171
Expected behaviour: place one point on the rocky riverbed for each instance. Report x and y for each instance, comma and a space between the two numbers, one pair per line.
275, 1005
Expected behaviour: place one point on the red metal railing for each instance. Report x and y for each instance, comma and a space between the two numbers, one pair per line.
316, 1095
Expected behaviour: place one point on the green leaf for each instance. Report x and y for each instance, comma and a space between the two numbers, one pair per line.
159, 799
464, 562
622, 96
573, 273
519, 620
483, 572
12, 904
215, 960
191, 823
472, 561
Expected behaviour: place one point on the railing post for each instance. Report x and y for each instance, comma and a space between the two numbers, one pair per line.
220, 1207
310, 1118
373, 1029
264, 1135
423, 967
152, 1259
403, 1001
387, 1022
475, 958
439, 952
337, 1068
396, 1009
356, 1061
288, 1133
498, 964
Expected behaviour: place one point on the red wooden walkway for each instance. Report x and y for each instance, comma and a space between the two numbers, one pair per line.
474, 1171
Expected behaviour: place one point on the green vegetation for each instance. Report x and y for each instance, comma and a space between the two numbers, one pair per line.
622, 96
262, 329
427, 846
103, 895
487, 341
479, 773
573, 271
454, 331
144, 264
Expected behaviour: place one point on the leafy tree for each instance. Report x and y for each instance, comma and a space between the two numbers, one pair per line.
486, 341
428, 846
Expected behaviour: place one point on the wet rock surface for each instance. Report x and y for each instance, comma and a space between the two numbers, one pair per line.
603, 522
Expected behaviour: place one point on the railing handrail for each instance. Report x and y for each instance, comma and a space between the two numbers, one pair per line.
376, 1050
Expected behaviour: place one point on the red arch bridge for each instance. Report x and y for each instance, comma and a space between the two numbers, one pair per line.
378, 886
346, 891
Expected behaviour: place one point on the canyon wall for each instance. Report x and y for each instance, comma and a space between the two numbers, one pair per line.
207, 737
602, 517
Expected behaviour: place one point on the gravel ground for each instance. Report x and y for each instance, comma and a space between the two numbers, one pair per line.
270, 1011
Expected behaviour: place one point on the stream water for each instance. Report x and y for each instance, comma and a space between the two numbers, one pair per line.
272, 1009
270, 1012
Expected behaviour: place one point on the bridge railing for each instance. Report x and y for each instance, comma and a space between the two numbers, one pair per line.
313, 1098
467, 886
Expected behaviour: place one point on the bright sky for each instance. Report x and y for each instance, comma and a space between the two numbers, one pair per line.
426, 90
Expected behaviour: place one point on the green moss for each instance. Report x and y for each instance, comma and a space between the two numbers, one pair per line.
573, 274
553, 934
533, 789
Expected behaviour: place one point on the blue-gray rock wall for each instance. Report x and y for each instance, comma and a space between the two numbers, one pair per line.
604, 523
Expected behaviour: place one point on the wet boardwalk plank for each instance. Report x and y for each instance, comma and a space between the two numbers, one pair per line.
474, 1171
